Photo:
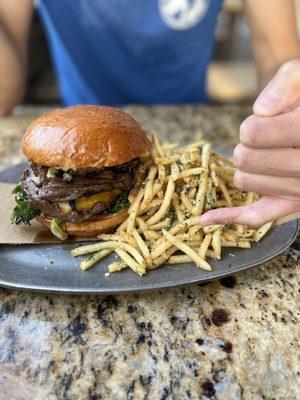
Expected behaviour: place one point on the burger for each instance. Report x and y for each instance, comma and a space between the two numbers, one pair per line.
83, 163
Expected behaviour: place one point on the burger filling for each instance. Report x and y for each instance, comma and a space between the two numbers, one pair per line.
78, 195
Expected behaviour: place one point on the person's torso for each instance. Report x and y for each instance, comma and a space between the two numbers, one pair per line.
130, 51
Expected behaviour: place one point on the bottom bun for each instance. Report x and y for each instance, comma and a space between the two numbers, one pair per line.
93, 227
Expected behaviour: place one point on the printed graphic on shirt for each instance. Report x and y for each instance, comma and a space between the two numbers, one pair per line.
182, 14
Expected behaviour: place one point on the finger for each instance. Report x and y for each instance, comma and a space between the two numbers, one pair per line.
279, 131
282, 93
285, 188
257, 214
279, 162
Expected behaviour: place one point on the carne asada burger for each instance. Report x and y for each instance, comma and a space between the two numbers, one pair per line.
83, 164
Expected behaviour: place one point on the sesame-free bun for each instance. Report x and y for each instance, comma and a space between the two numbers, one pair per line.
84, 136
90, 228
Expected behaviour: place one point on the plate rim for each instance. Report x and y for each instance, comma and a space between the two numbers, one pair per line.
159, 287
162, 285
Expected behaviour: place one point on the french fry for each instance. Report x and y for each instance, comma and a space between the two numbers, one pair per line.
219, 203
108, 245
160, 225
244, 244
106, 237
240, 229
226, 171
229, 235
249, 199
133, 212
249, 233
224, 159
117, 266
262, 231
167, 160
129, 239
214, 175
211, 228
195, 229
151, 212
123, 226
89, 262
191, 171
164, 205
162, 259
154, 203
192, 193
200, 196
206, 151
194, 243
163, 218
225, 193
142, 246
176, 206
200, 262
135, 266
205, 245
216, 243
152, 234
149, 186
142, 223
160, 194
174, 171
161, 179
157, 145
186, 202
180, 259
162, 247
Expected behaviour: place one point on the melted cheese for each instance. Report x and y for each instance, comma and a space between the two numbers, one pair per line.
88, 202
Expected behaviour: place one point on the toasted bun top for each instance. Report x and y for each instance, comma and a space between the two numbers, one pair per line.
84, 136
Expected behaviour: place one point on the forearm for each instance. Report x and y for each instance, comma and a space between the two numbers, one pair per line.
274, 35
269, 59
12, 73
15, 17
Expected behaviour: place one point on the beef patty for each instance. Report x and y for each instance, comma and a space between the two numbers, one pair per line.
45, 192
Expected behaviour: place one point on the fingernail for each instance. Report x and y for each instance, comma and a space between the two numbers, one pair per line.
267, 102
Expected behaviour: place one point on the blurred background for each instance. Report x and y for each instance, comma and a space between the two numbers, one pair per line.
232, 61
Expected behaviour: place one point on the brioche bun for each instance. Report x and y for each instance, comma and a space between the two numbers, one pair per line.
84, 136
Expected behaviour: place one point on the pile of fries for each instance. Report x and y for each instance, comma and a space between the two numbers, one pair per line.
175, 186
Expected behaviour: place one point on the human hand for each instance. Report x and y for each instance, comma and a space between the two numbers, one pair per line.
268, 155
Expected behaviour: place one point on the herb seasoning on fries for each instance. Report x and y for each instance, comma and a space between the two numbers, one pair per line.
177, 185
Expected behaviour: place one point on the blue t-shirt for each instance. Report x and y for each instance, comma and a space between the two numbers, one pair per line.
130, 51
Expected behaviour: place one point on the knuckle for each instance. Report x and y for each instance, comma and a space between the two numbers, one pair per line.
255, 219
250, 131
241, 156
240, 180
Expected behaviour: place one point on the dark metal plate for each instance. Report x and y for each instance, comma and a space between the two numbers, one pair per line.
51, 268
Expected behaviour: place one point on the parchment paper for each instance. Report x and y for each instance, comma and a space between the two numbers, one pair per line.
23, 234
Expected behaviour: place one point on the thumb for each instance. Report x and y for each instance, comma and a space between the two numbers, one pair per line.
282, 93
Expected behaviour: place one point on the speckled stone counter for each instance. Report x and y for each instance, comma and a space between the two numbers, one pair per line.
237, 338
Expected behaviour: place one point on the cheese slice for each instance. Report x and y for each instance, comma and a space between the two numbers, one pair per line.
87, 202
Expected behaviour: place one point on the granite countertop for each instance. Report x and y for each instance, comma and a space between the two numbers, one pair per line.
235, 338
